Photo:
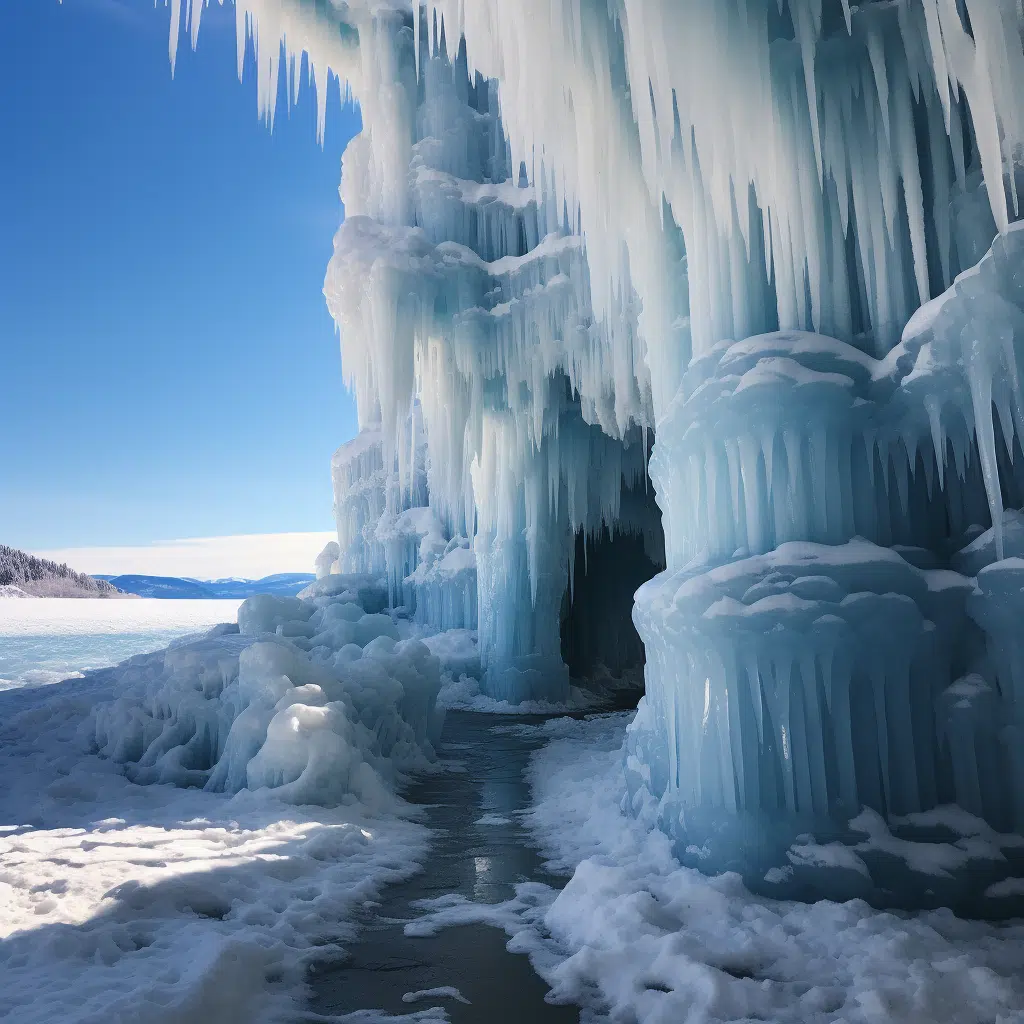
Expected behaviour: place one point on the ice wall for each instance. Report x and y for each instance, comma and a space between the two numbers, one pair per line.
482, 303
802, 154
572, 221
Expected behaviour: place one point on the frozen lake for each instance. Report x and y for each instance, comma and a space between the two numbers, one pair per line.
44, 640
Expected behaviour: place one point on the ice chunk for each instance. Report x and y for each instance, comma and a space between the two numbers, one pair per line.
318, 699
327, 560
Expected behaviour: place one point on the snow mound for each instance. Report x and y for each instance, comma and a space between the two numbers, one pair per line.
643, 938
316, 698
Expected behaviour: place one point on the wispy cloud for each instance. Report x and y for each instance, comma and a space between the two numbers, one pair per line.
251, 555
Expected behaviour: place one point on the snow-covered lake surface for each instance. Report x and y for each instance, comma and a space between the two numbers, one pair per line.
44, 640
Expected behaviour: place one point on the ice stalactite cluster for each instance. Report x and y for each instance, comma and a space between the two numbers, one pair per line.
806, 149
478, 313
757, 228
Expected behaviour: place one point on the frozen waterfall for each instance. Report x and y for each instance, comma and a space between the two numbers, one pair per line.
779, 237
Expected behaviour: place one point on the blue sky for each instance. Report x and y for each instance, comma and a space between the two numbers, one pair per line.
167, 363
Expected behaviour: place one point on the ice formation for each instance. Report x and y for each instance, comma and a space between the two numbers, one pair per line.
777, 236
812, 650
317, 699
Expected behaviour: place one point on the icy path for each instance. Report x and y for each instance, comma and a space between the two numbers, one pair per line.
635, 937
480, 850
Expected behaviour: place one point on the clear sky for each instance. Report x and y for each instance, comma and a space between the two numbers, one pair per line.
168, 368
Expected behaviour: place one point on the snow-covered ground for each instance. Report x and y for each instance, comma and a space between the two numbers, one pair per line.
47, 639
635, 937
152, 903
164, 905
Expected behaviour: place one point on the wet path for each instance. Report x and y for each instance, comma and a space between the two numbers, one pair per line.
480, 861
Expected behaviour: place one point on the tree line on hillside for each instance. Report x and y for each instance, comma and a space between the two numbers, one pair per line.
19, 569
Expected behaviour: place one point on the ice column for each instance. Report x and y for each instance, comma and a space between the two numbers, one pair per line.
470, 301
812, 648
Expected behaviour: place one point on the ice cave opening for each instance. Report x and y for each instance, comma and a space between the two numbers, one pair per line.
600, 643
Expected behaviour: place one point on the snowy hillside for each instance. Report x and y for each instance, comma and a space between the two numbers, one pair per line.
39, 577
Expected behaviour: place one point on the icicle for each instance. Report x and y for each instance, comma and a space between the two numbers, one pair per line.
877, 57
1006, 424
815, 732
932, 407
779, 700
870, 441
798, 496
928, 461
877, 677
756, 699
752, 493
900, 472
416, 16
820, 468
175, 33
980, 374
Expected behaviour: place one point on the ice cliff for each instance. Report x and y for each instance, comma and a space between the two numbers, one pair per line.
778, 237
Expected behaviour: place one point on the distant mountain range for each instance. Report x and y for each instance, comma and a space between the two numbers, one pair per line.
284, 584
